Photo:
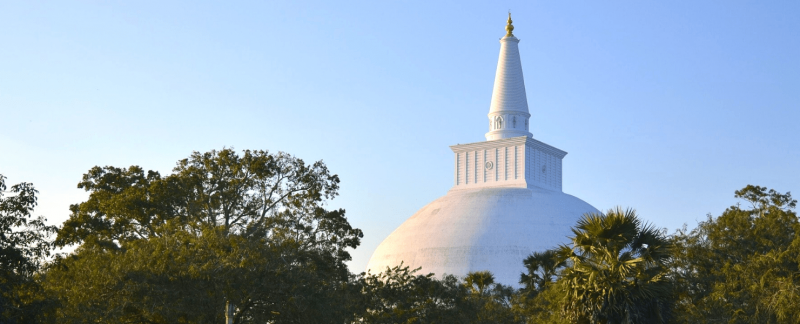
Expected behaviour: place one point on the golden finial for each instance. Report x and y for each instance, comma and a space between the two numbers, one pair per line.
509, 27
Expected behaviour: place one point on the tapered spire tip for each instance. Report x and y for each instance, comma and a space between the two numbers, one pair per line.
509, 27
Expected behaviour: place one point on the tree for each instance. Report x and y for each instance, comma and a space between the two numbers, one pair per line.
741, 267
400, 296
543, 269
23, 246
243, 237
540, 299
545, 307
617, 269
492, 300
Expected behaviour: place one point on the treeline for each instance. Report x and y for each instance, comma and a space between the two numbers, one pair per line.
246, 237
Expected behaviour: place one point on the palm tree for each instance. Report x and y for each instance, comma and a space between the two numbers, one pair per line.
542, 269
491, 300
479, 282
616, 270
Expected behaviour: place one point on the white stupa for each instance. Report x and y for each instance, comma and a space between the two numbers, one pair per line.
506, 201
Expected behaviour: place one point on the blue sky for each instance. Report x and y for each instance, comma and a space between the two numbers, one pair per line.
666, 107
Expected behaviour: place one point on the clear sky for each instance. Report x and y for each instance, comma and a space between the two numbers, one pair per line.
667, 107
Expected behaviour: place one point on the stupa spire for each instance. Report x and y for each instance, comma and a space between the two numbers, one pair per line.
508, 113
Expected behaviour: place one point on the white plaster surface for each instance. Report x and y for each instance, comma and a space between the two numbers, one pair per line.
491, 229
510, 162
508, 113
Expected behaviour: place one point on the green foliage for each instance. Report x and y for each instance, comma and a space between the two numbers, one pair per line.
23, 246
741, 267
613, 272
246, 229
184, 278
251, 230
250, 195
543, 268
492, 300
398, 295
617, 270
542, 307
539, 300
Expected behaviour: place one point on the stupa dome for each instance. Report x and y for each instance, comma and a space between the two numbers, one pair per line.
481, 229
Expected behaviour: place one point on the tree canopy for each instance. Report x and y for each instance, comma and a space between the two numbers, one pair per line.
246, 230
741, 267
246, 237
24, 245
617, 270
